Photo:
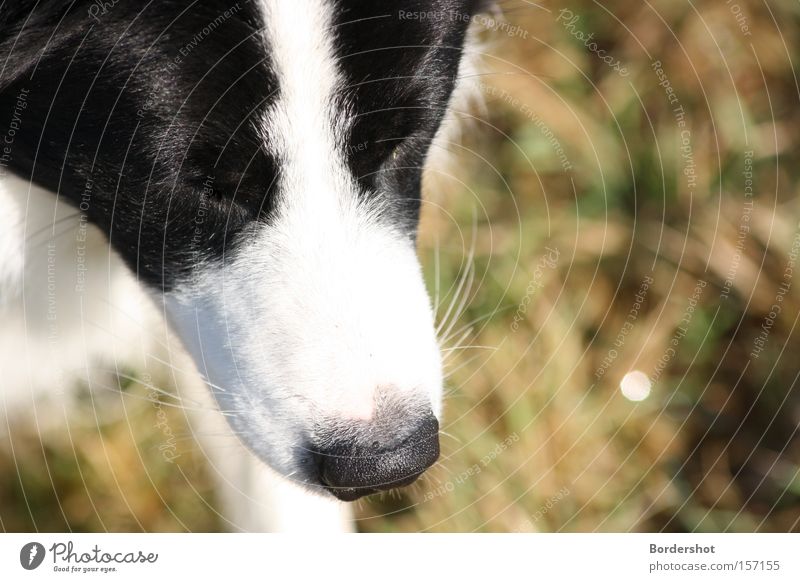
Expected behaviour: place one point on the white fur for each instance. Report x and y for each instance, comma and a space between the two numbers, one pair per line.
253, 497
67, 304
322, 311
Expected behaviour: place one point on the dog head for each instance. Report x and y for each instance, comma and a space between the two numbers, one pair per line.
315, 330
257, 165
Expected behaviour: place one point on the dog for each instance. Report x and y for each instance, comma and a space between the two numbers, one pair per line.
253, 169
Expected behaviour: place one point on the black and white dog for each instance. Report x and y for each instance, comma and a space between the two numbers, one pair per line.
255, 165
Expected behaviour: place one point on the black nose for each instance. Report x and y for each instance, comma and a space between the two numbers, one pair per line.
358, 466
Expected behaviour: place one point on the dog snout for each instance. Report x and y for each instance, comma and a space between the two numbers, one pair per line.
353, 467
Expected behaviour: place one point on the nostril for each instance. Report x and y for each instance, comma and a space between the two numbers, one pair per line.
351, 470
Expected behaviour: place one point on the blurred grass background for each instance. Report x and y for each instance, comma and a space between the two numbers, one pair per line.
569, 233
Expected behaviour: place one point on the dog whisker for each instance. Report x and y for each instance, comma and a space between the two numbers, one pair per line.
452, 371
463, 291
447, 434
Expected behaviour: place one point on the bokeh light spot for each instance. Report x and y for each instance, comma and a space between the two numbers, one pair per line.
635, 386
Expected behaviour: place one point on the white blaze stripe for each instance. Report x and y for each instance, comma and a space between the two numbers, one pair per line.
304, 129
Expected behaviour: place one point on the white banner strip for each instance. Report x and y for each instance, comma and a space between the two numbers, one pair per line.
401, 557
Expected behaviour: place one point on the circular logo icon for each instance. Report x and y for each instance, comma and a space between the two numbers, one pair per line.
31, 555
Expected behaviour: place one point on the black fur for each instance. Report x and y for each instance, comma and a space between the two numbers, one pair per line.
401, 69
145, 115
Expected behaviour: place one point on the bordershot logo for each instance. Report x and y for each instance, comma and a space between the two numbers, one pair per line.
31, 555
